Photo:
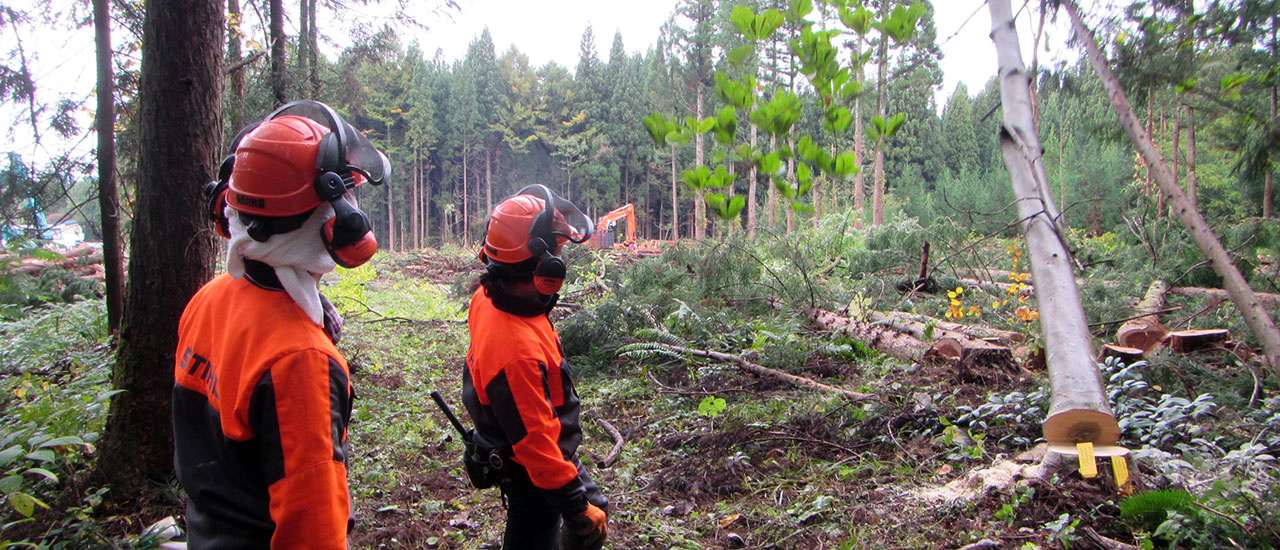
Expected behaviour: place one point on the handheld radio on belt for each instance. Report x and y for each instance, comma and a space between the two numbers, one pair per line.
484, 473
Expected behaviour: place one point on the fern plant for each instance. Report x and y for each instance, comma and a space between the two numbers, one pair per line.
1149, 509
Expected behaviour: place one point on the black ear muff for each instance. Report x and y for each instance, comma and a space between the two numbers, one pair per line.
215, 196
348, 235
549, 274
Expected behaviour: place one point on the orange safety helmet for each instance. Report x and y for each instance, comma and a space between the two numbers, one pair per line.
300, 156
275, 168
531, 224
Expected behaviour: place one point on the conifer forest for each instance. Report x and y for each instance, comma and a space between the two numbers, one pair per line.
827, 303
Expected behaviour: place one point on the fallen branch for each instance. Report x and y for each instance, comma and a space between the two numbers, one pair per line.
1106, 543
617, 444
766, 371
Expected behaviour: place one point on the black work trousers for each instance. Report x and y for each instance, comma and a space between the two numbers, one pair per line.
532, 522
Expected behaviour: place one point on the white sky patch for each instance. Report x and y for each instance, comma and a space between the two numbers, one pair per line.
545, 31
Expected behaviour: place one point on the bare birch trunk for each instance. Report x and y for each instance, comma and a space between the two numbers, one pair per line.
1079, 410
1255, 316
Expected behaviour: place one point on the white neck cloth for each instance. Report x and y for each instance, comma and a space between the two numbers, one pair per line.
298, 257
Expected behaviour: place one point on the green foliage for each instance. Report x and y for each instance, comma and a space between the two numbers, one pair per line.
711, 406
1147, 510
54, 387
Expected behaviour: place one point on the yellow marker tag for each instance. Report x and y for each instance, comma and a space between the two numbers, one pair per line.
1121, 468
1088, 466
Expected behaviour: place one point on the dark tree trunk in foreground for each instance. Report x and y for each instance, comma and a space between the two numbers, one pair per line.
108, 202
1246, 302
179, 119
1079, 411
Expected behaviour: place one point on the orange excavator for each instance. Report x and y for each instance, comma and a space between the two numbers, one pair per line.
609, 236
606, 235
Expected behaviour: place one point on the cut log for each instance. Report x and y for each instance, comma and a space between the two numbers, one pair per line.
914, 324
1187, 341
970, 352
1145, 332
904, 341
1127, 356
1264, 298
882, 339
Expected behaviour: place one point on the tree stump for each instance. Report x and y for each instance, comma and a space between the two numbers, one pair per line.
1187, 341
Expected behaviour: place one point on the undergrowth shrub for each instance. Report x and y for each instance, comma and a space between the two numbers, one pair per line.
55, 366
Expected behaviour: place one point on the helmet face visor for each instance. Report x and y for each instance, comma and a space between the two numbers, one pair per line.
575, 227
359, 153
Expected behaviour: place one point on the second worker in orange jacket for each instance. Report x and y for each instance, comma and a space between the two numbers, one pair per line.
517, 387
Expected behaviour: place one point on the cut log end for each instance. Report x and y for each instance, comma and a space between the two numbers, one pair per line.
1081, 425
1187, 341
1126, 355
1142, 334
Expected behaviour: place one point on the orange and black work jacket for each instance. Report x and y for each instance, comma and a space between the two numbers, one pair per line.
520, 394
260, 411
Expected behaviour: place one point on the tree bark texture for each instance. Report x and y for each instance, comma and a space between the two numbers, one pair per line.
1004, 337
1079, 409
1255, 316
172, 247
108, 200
882, 110
881, 338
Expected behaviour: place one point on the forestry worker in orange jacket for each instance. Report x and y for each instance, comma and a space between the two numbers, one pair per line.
262, 396
517, 387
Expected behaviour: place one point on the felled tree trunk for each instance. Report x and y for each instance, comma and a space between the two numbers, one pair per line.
1146, 332
1266, 299
914, 322
882, 339
1078, 411
1255, 316
904, 341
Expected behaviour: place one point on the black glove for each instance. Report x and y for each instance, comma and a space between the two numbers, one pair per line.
586, 530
